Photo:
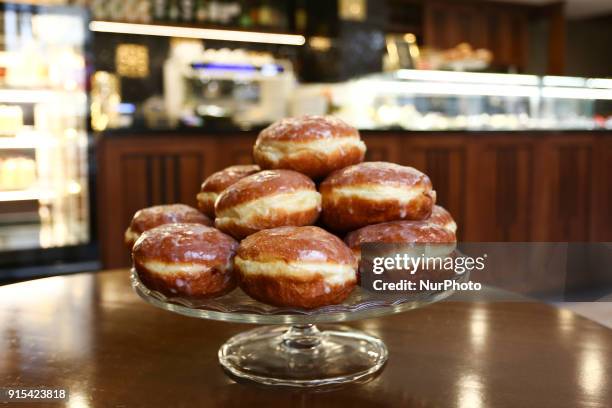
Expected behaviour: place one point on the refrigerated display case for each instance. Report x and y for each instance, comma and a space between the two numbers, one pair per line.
44, 184
446, 100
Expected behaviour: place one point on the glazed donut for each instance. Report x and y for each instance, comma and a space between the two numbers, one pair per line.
402, 232
414, 238
219, 181
440, 216
304, 267
189, 260
374, 192
313, 145
151, 217
268, 199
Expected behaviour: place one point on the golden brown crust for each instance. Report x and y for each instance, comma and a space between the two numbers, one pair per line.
314, 165
206, 203
400, 232
379, 173
264, 183
176, 245
440, 216
219, 181
151, 217
307, 128
293, 136
193, 243
208, 284
287, 292
347, 212
294, 244
239, 229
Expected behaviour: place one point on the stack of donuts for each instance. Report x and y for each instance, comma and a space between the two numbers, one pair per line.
276, 228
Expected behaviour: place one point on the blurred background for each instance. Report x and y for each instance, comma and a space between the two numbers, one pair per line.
110, 106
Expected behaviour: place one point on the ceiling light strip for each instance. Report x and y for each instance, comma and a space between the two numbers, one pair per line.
200, 33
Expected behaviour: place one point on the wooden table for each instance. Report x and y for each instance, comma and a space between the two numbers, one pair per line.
91, 334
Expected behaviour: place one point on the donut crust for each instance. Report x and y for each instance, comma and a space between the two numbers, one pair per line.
207, 284
287, 292
294, 246
151, 217
401, 232
236, 228
287, 198
219, 181
313, 145
440, 216
345, 212
404, 232
206, 252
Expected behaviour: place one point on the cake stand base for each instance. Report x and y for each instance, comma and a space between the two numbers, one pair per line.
302, 356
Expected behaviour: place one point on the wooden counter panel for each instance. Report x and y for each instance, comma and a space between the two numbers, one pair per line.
444, 160
540, 186
141, 172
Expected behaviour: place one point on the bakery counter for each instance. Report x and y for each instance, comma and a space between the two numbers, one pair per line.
499, 186
92, 335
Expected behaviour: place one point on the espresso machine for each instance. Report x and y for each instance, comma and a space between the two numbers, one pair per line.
221, 87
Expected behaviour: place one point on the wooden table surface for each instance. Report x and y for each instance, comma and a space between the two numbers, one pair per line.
92, 335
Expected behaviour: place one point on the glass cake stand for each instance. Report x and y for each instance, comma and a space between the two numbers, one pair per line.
293, 351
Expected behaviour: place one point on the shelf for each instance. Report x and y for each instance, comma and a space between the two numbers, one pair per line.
185, 31
15, 95
8, 143
20, 195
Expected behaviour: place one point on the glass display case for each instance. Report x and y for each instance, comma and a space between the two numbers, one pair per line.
445, 100
44, 195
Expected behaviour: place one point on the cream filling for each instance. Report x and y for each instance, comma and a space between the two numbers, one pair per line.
266, 207
332, 273
375, 192
163, 268
275, 151
207, 196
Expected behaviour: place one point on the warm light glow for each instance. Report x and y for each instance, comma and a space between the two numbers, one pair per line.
320, 43
24, 95
200, 33
563, 81
468, 77
444, 88
592, 372
470, 391
479, 328
19, 195
576, 93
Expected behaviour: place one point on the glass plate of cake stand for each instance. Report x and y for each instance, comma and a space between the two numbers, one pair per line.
292, 351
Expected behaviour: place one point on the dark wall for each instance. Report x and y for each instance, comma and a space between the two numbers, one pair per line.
589, 47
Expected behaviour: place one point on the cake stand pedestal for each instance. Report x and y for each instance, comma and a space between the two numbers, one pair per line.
293, 351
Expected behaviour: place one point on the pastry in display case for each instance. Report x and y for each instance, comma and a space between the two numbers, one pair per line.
44, 192
447, 100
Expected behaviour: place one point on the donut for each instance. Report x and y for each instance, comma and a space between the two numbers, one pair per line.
268, 199
312, 145
219, 181
186, 260
151, 217
402, 232
440, 216
374, 192
414, 238
305, 267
